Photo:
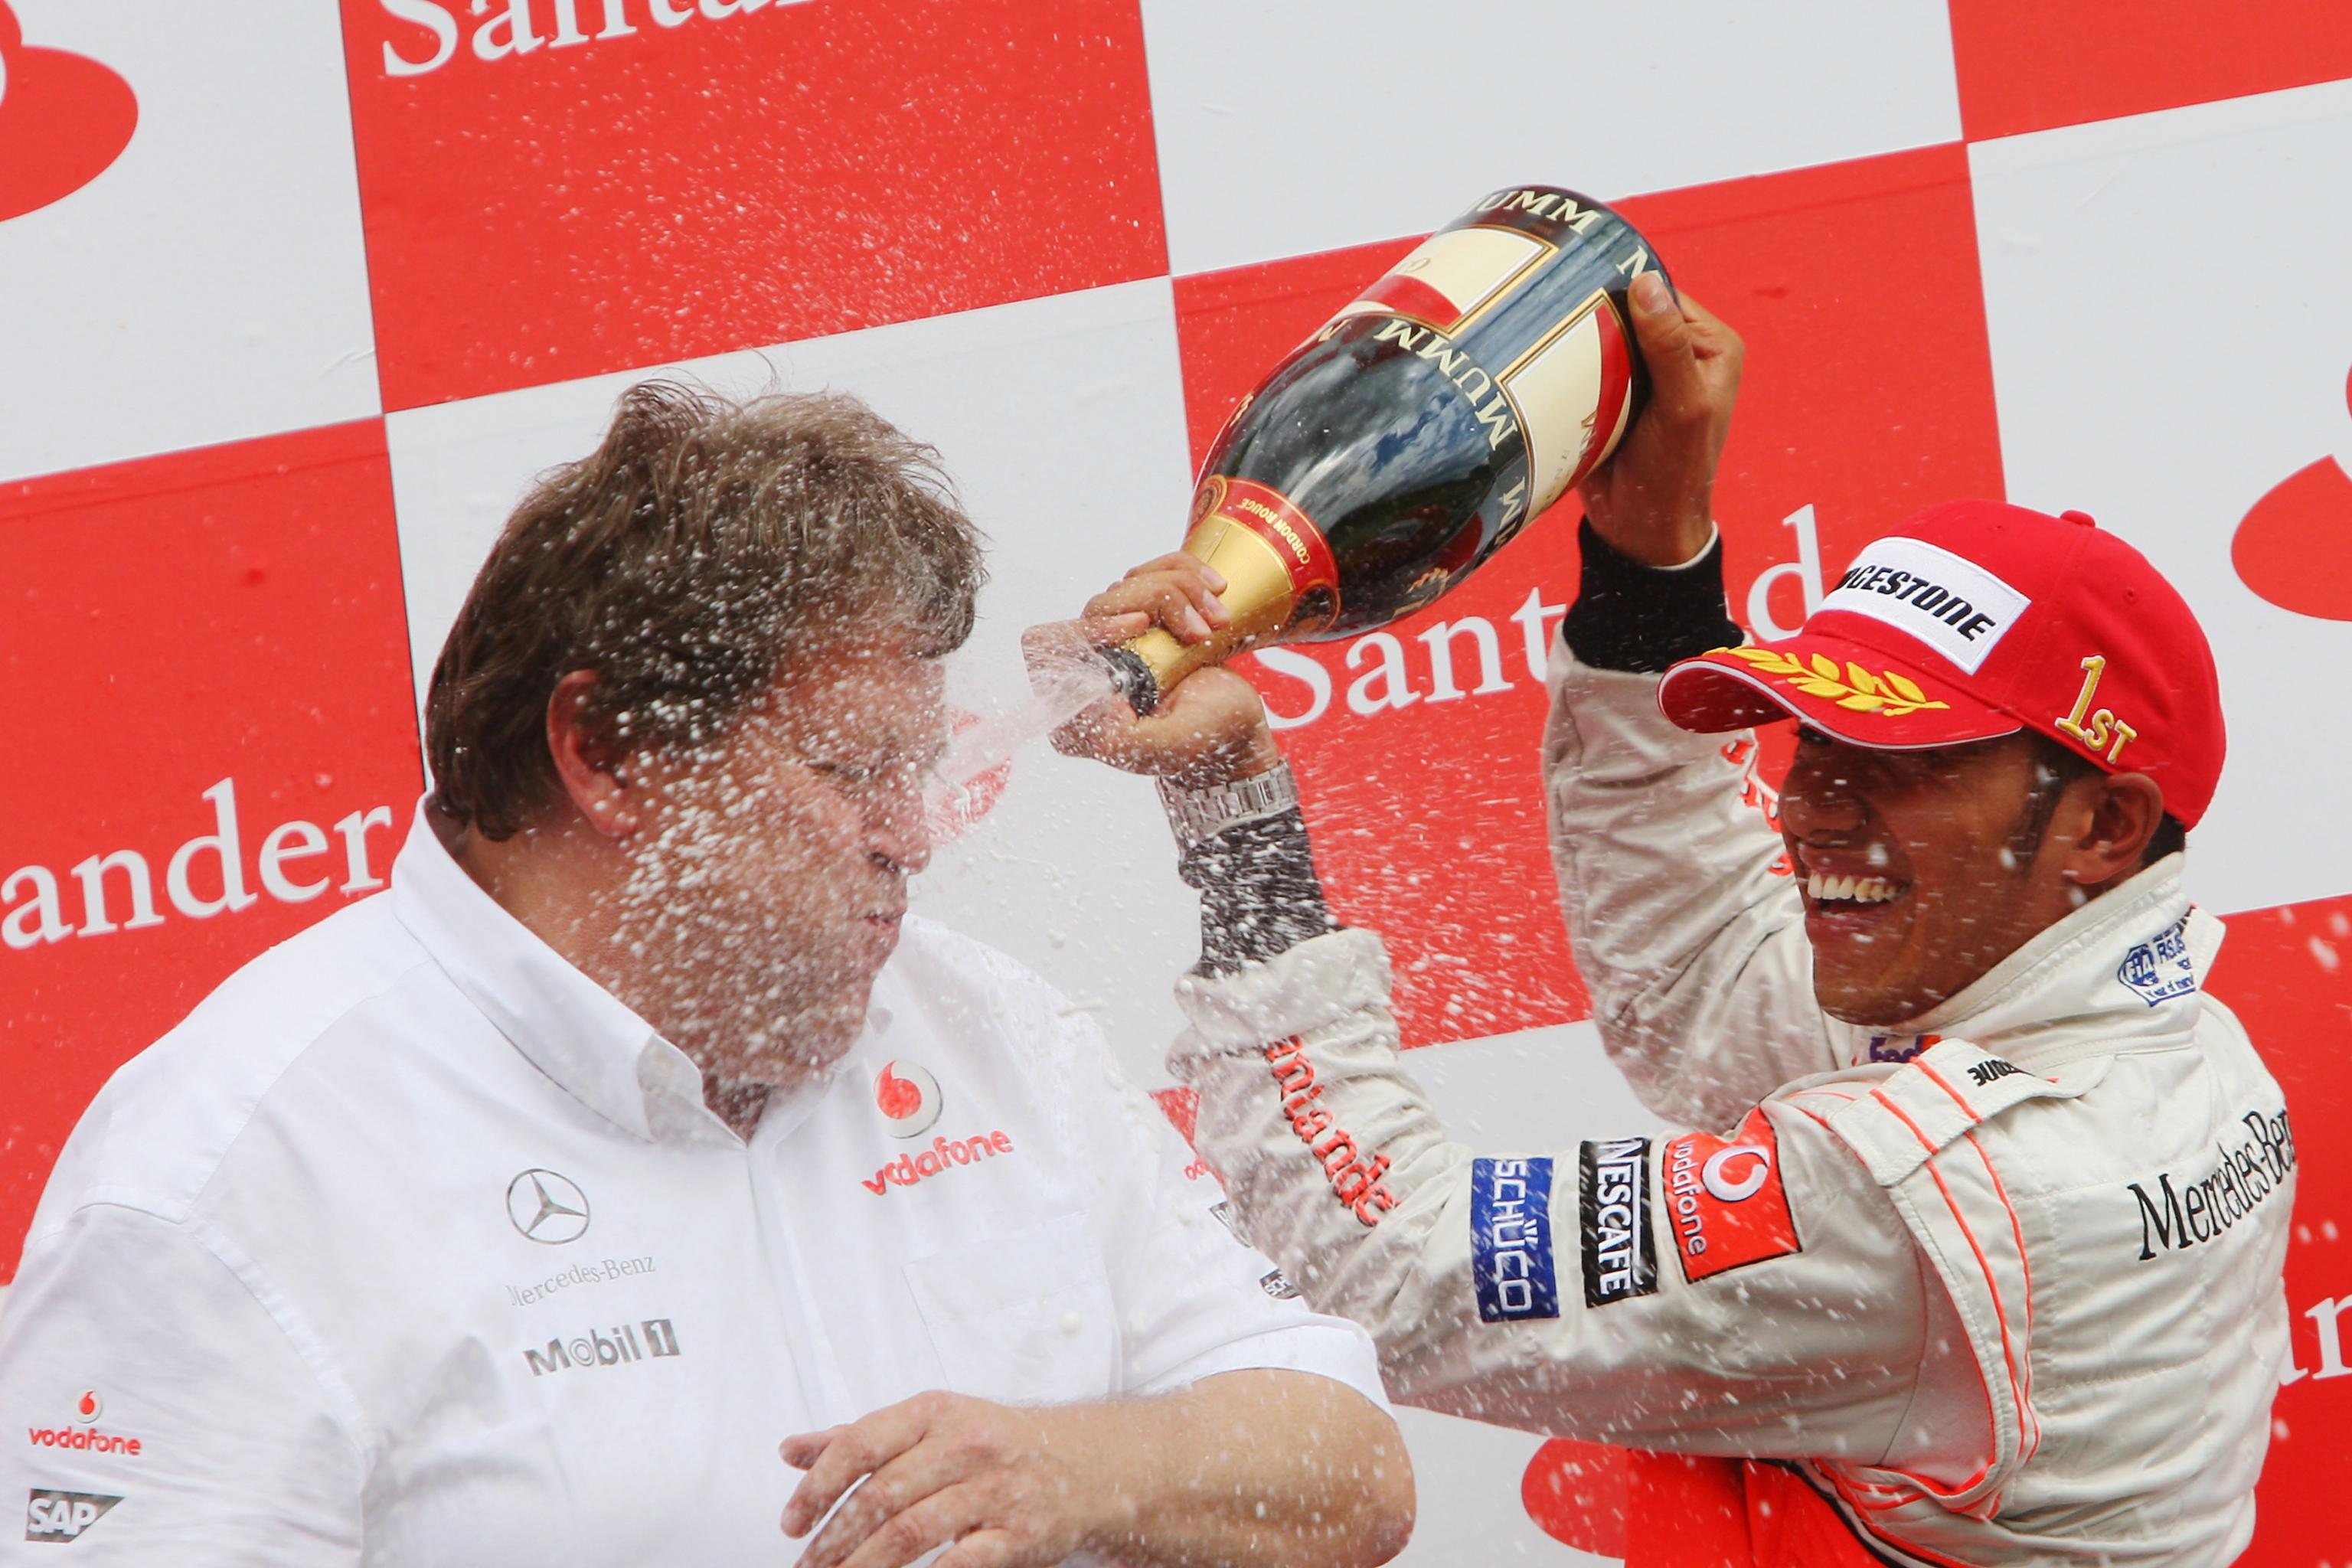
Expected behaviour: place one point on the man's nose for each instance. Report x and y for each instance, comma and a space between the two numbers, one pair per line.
898, 830
1818, 795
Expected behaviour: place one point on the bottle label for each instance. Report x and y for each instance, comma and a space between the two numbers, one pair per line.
1297, 544
1452, 276
1462, 298
1572, 388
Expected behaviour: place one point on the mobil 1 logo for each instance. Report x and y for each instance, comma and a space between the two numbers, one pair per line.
56, 1517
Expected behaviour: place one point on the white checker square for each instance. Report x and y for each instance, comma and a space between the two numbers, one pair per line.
1290, 127
210, 284
2170, 338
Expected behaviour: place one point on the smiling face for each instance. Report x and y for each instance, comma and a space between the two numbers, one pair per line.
1921, 870
766, 890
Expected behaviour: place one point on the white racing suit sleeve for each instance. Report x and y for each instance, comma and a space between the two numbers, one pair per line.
1193, 1299
1753, 1294
172, 1418
1692, 946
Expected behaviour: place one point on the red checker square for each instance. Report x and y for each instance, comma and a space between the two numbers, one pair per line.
2031, 65
215, 744
1868, 395
2287, 973
560, 188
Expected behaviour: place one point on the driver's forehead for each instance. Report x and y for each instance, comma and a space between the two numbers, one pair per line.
1992, 764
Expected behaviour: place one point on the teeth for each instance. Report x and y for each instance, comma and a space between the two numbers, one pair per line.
1850, 890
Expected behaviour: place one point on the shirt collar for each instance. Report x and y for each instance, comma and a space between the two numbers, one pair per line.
2125, 968
579, 1034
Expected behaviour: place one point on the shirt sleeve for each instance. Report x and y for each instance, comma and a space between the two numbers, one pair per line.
171, 1417
1752, 1294
1193, 1297
1687, 928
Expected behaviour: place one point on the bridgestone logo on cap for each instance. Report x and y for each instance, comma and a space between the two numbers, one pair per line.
1952, 605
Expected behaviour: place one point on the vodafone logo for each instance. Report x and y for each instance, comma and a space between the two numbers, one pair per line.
83, 1435
908, 1099
1736, 1173
2294, 546
1724, 1201
64, 120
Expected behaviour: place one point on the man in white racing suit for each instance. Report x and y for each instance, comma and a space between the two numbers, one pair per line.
1976, 1258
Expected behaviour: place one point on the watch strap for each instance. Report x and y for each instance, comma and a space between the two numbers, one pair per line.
1197, 816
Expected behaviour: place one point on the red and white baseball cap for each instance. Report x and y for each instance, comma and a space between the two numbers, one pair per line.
1976, 619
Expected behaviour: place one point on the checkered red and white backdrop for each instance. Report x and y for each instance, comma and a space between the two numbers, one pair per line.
298, 297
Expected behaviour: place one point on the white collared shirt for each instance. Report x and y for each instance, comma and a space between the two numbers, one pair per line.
411, 1244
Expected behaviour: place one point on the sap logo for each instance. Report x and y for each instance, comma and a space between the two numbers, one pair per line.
1991, 1068
594, 1349
63, 1516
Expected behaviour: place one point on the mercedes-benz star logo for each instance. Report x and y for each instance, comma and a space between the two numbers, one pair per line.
550, 1209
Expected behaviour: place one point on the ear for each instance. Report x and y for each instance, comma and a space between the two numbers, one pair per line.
589, 759
2122, 813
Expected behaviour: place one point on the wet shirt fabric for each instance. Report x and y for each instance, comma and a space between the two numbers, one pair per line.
412, 1244
1963, 1282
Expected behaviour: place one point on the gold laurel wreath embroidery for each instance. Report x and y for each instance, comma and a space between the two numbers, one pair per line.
1888, 695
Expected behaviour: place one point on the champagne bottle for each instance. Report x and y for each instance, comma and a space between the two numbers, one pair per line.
1413, 434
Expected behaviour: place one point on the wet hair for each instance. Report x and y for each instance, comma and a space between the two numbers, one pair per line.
688, 562
2055, 767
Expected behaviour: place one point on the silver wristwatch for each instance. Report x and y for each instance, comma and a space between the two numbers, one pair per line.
1199, 815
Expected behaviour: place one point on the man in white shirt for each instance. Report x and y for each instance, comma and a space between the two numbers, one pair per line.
520, 1213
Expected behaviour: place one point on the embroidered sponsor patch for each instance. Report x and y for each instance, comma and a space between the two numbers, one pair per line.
1620, 1249
2248, 1170
1954, 605
1899, 1048
1725, 1199
2160, 968
1510, 1240
1990, 1068
56, 1516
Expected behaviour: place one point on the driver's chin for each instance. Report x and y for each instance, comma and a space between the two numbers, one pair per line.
1870, 1001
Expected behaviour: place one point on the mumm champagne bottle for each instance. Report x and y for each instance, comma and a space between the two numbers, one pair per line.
1414, 434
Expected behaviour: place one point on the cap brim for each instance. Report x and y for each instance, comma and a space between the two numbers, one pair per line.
1855, 694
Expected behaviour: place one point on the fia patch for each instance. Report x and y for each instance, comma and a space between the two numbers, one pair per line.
1620, 1248
1725, 1199
1511, 1241
2160, 969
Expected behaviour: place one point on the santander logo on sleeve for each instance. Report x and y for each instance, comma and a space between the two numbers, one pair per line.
64, 118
